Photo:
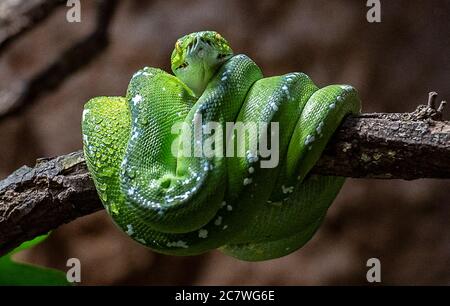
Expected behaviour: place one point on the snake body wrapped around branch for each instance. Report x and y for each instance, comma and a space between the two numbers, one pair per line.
175, 201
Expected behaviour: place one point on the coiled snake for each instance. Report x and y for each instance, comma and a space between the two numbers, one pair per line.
186, 204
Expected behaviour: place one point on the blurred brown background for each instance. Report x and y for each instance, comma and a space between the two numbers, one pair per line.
394, 64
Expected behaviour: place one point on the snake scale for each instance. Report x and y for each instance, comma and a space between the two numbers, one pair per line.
187, 204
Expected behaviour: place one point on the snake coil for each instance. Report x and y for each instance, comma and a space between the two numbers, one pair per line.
186, 204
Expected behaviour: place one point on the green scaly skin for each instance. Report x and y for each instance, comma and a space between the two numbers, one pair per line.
188, 205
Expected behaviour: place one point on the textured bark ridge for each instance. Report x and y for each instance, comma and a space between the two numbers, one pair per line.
387, 146
36, 200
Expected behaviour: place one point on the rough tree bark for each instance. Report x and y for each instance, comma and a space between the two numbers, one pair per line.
386, 146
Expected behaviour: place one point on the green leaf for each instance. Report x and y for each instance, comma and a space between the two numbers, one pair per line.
28, 244
14, 273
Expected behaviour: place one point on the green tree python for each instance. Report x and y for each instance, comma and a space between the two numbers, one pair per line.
186, 204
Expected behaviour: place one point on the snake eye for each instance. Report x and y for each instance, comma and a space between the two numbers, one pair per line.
183, 65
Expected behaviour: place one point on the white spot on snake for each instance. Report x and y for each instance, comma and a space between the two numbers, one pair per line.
229, 207
85, 112
332, 106
136, 99
203, 233
225, 227
286, 90
309, 139
247, 181
251, 170
319, 128
251, 157
179, 244
218, 221
346, 87
141, 240
134, 136
137, 74
340, 98
164, 89
179, 95
224, 78
147, 74
153, 184
289, 189
274, 106
299, 178
131, 191
129, 230
223, 204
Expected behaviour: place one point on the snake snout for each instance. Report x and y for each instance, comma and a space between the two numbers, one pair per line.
199, 47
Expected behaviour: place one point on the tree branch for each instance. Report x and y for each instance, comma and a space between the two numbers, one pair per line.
57, 190
388, 146
19, 16
36, 200
21, 95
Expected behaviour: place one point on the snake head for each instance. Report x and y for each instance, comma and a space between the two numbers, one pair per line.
197, 56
